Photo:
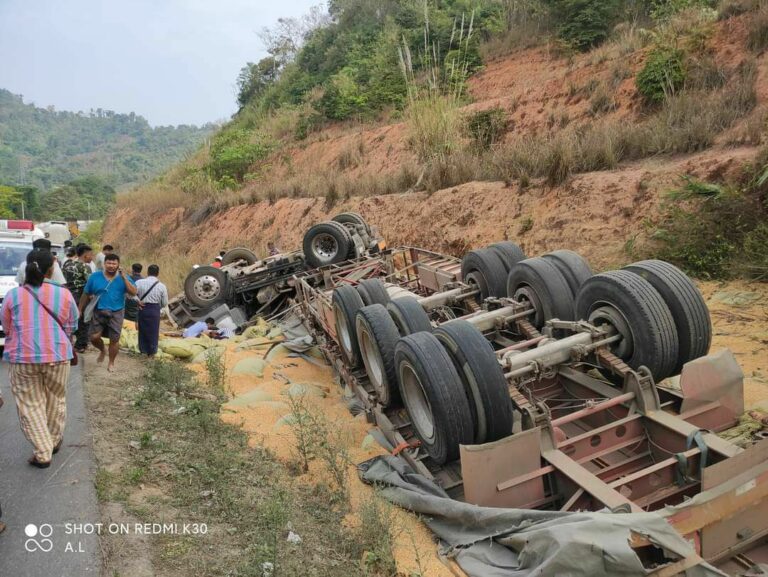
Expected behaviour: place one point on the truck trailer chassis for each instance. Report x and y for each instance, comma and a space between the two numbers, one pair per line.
580, 441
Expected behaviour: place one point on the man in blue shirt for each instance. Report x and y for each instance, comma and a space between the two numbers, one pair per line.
108, 287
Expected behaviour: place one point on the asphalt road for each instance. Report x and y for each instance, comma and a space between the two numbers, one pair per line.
43, 508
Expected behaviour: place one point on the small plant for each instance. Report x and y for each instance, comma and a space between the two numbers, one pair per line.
662, 76
757, 36
216, 370
487, 127
377, 535
331, 195
526, 225
602, 101
163, 378
316, 438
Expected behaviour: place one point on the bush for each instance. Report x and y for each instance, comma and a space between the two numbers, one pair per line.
584, 24
343, 98
662, 75
713, 231
233, 153
665, 9
487, 127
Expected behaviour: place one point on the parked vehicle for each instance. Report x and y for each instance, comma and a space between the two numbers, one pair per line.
16, 238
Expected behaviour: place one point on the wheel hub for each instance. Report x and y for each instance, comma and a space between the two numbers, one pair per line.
525, 293
207, 287
608, 314
325, 246
416, 402
375, 370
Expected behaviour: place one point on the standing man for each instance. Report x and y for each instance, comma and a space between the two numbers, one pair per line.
108, 288
107, 249
39, 319
153, 297
77, 274
272, 250
132, 303
57, 276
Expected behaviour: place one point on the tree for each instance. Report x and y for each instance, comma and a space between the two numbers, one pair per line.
9, 197
255, 78
584, 23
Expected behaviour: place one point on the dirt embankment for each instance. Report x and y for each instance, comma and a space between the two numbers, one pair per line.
597, 214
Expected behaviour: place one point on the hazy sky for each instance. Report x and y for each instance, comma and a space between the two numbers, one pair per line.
171, 61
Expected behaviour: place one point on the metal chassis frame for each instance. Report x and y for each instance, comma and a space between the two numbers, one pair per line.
553, 458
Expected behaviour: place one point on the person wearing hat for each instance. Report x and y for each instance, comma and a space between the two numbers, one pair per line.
217, 262
57, 276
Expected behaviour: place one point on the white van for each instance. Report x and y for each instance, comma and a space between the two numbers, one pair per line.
16, 237
57, 231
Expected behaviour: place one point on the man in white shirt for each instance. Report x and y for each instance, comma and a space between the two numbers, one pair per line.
102, 254
57, 276
153, 297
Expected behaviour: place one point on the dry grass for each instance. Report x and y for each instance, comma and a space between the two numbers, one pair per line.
434, 123
757, 36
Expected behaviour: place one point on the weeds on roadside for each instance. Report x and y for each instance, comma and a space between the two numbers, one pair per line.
316, 438
377, 533
216, 371
716, 231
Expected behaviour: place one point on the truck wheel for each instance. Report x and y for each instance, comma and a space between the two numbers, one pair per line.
377, 335
694, 326
327, 243
486, 388
487, 264
637, 311
237, 254
409, 316
352, 218
373, 291
573, 267
206, 286
346, 302
433, 396
538, 282
510, 253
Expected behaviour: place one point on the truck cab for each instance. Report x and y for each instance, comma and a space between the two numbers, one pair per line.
16, 237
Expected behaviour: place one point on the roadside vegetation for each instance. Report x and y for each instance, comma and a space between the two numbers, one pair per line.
368, 63
717, 230
185, 465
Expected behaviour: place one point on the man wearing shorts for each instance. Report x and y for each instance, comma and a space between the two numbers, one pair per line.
109, 286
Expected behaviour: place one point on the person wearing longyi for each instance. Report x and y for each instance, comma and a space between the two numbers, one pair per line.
39, 320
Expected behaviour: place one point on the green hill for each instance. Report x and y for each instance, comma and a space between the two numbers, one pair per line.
43, 147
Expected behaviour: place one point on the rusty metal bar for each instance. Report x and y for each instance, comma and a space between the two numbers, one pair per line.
587, 481
625, 398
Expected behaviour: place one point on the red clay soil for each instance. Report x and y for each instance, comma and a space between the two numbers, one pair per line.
595, 214
539, 90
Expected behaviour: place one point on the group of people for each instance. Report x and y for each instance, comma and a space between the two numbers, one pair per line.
53, 314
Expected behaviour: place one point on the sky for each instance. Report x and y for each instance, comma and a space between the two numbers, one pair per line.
170, 61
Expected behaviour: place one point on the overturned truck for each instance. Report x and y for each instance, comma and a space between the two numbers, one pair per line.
246, 286
528, 384
531, 383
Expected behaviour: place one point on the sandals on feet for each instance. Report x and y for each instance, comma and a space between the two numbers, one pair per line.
39, 464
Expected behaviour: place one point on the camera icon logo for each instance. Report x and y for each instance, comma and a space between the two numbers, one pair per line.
38, 538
